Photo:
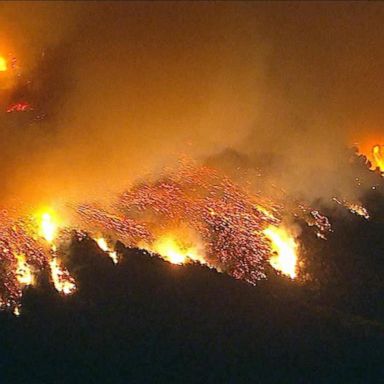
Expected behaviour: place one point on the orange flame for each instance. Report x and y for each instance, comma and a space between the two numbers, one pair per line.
102, 243
48, 227
62, 280
371, 148
378, 157
175, 251
284, 247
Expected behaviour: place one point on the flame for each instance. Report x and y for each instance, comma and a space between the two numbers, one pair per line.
284, 248
3, 64
23, 272
174, 251
62, 280
48, 227
191, 214
102, 243
378, 157
371, 148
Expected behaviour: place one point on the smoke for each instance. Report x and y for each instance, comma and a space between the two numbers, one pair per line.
128, 88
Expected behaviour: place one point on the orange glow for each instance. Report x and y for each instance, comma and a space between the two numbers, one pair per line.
3, 64
284, 248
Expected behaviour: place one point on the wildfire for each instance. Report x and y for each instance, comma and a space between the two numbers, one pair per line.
284, 247
191, 214
102, 243
227, 219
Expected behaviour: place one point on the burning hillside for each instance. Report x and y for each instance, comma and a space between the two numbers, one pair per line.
191, 214
194, 214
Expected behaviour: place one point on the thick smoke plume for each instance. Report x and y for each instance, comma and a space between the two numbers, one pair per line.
128, 88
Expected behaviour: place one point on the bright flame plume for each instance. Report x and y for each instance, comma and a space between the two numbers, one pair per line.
48, 228
174, 251
62, 280
285, 249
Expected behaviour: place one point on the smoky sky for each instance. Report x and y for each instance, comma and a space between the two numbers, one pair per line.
130, 87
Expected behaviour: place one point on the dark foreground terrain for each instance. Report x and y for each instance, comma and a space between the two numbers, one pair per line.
147, 321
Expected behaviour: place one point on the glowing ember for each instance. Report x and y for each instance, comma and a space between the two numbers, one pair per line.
355, 208
284, 247
101, 242
3, 64
21, 106
62, 280
358, 210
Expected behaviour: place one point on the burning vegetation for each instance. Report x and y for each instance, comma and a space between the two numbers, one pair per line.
192, 214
